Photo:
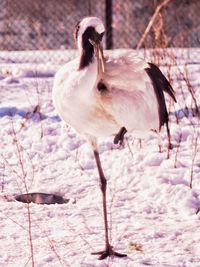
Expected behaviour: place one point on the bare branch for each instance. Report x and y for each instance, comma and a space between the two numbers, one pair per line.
151, 22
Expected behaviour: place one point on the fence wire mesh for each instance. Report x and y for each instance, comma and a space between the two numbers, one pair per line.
49, 24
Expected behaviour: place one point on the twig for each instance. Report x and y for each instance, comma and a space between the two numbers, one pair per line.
27, 262
193, 159
53, 247
20, 157
3, 177
37, 109
129, 147
30, 235
23, 178
179, 142
13, 170
177, 150
20, 225
190, 88
151, 22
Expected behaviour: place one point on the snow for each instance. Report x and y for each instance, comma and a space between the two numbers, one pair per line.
153, 211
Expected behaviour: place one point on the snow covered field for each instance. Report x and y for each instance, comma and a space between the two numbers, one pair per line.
153, 202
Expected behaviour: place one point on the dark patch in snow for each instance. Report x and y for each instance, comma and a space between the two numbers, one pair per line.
185, 112
12, 111
38, 74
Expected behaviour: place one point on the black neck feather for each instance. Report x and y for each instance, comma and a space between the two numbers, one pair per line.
86, 56
87, 53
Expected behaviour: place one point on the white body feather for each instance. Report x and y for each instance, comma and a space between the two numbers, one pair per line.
129, 102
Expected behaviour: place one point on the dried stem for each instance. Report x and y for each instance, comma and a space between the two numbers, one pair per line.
151, 22
193, 159
30, 235
190, 88
3, 177
177, 150
23, 179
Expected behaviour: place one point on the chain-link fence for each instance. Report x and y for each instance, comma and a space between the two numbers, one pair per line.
49, 24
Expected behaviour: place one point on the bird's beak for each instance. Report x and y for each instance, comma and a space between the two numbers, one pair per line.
98, 49
100, 58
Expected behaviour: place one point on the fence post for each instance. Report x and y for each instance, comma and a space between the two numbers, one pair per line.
108, 15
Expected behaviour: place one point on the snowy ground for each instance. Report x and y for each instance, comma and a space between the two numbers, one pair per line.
154, 212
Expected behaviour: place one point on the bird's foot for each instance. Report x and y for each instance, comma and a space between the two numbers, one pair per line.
109, 252
119, 137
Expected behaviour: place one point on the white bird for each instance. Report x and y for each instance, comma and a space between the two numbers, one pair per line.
101, 97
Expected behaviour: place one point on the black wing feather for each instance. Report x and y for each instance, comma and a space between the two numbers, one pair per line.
160, 84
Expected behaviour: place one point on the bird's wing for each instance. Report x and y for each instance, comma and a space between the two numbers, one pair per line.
132, 86
125, 71
126, 92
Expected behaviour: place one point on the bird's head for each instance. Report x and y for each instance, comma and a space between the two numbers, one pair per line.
89, 29
88, 35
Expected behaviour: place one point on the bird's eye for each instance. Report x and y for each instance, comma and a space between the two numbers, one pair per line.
77, 27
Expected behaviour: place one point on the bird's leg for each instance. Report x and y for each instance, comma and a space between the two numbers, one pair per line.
119, 137
103, 184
